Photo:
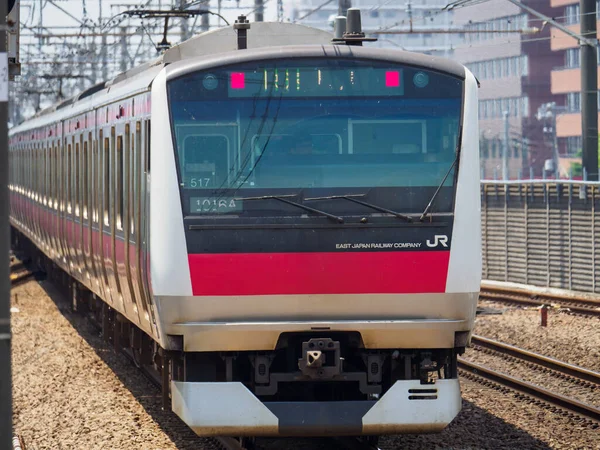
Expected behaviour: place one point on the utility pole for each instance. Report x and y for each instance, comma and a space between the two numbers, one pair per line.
343, 6
5, 337
205, 18
184, 23
589, 90
259, 10
505, 148
124, 52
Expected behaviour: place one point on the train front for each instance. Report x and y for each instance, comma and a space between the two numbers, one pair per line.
315, 240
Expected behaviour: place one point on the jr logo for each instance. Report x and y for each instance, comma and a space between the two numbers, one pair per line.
438, 239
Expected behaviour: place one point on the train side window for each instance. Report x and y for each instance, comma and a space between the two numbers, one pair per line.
76, 184
38, 169
50, 173
42, 172
56, 175
147, 144
119, 182
106, 166
84, 181
132, 174
69, 177
32, 175
95, 180
45, 175
126, 160
29, 169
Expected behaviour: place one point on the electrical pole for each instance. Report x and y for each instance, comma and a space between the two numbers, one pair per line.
505, 148
259, 11
124, 52
5, 337
205, 18
184, 23
589, 90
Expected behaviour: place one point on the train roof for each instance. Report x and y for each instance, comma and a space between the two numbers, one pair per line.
210, 46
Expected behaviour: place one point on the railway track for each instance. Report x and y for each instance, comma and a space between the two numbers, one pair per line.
531, 391
556, 365
575, 304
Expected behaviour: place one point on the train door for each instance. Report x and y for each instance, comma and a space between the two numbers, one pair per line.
104, 212
136, 223
60, 200
70, 197
95, 189
145, 224
115, 225
46, 194
76, 186
87, 214
32, 191
35, 180
124, 271
50, 194
62, 204
79, 183
54, 198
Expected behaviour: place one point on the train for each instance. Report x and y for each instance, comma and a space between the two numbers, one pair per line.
284, 225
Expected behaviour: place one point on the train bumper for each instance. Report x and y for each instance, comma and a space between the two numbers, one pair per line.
230, 409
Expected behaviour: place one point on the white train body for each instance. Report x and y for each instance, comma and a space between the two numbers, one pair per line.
247, 210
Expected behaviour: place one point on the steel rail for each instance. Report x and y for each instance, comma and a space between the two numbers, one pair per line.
577, 305
532, 390
536, 358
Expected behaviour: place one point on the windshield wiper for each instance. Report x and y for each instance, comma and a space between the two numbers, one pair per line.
368, 205
283, 198
439, 188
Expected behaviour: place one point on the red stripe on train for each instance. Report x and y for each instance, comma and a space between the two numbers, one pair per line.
319, 273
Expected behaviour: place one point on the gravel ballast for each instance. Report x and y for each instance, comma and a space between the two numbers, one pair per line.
72, 391
570, 338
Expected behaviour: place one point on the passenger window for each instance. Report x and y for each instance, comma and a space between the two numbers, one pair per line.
85, 184
68, 180
119, 176
77, 190
106, 166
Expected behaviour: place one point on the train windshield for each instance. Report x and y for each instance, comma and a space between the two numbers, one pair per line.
319, 126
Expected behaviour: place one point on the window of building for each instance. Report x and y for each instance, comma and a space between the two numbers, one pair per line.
572, 58
572, 14
573, 145
574, 101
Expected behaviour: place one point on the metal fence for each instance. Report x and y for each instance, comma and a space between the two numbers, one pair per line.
542, 233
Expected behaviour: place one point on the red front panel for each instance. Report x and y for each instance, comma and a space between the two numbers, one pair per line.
319, 273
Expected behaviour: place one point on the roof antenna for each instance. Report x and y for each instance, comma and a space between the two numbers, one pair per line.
353, 34
242, 25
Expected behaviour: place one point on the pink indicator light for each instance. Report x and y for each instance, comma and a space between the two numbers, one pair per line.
238, 80
392, 79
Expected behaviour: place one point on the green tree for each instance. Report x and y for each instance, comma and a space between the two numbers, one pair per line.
577, 168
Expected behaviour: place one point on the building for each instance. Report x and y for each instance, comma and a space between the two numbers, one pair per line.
415, 24
509, 51
566, 81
